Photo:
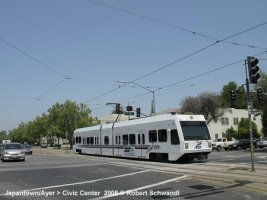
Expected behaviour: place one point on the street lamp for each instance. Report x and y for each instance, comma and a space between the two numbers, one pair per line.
153, 111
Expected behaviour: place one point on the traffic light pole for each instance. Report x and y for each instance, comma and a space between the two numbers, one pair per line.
249, 107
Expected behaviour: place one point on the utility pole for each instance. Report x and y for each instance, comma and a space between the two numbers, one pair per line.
249, 108
252, 76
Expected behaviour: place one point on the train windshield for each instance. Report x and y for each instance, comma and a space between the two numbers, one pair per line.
195, 130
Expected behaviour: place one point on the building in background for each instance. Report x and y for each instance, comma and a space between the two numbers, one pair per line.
231, 118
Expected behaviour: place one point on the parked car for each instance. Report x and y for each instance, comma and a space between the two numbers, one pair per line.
241, 144
12, 151
220, 143
262, 143
44, 145
27, 148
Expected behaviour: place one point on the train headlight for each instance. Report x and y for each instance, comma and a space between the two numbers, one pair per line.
186, 145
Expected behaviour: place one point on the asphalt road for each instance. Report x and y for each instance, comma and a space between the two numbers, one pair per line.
45, 175
242, 157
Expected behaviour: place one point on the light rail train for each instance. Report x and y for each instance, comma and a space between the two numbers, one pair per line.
168, 137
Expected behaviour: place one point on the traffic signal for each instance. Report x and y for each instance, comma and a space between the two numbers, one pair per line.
233, 95
138, 112
118, 108
129, 108
253, 70
259, 94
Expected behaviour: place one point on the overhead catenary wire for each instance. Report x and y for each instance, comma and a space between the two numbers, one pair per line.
188, 79
52, 88
198, 51
210, 71
32, 57
139, 78
35, 59
172, 25
179, 60
148, 74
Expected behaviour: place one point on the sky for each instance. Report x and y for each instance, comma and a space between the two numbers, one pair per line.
80, 50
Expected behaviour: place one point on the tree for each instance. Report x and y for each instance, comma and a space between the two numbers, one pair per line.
205, 103
262, 105
243, 129
20, 134
38, 128
60, 121
65, 118
3, 136
225, 96
231, 133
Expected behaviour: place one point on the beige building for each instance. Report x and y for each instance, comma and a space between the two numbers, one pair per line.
231, 118
54, 140
111, 118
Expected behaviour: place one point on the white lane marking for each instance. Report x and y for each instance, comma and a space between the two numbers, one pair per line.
226, 160
140, 188
84, 182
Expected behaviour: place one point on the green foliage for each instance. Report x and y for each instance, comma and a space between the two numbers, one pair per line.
20, 134
243, 129
262, 105
60, 121
225, 96
231, 133
3, 135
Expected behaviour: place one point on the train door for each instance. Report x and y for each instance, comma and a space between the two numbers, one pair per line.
118, 144
141, 143
175, 148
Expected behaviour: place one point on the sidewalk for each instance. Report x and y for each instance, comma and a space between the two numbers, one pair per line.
50, 150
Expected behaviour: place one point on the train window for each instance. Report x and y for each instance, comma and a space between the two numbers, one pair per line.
125, 139
139, 139
162, 135
195, 130
92, 140
116, 139
77, 140
152, 135
106, 140
143, 139
80, 140
88, 140
119, 139
132, 138
174, 137
97, 140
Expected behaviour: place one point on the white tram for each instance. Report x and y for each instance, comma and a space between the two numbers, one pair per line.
166, 137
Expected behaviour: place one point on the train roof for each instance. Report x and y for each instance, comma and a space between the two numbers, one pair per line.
156, 118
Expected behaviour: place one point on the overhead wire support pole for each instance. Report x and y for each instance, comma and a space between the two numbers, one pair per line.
153, 112
249, 108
